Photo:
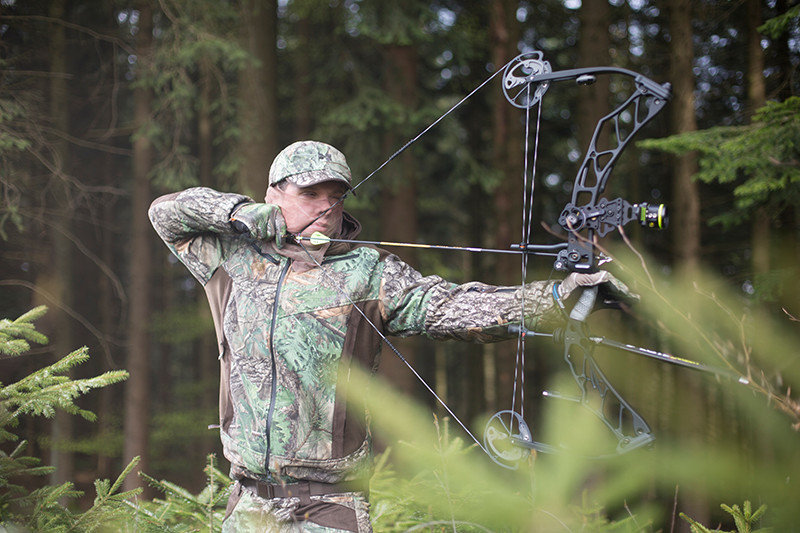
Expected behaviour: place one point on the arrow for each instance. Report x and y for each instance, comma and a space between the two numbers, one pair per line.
318, 238
653, 354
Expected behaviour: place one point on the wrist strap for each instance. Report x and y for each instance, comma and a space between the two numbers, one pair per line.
556, 297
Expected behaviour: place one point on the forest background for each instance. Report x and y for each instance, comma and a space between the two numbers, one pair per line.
106, 105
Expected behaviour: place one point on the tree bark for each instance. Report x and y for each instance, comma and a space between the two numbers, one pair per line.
206, 343
760, 234
108, 310
686, 201
685, 191
507, 157
303, 107
398, 216
62, 264
137, 411
593, 45
258, 92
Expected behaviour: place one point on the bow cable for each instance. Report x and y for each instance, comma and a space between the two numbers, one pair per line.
527, 224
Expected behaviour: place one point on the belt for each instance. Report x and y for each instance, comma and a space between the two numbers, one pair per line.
299, 489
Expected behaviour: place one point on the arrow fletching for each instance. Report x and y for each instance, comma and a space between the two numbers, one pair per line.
318, 238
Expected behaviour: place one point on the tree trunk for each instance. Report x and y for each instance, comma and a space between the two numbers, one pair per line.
686, 200
108, 396
206, 350
593, 45
506, 157
258, 92
760, 234
685, 191
62, 264
138, 365
398, 216
303, 108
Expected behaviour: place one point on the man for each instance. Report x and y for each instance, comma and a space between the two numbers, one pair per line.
291, 319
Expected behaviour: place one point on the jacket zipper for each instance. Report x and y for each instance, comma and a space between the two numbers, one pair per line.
274, 383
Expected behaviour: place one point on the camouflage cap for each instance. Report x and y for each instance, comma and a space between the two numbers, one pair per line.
305, 163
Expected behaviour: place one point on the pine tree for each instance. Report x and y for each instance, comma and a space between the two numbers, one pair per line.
42, 393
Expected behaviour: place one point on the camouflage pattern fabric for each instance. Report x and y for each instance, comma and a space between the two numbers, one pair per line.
305, 163
291, 515
288, 338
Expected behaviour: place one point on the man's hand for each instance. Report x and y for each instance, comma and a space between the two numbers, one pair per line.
612, 291
260, 221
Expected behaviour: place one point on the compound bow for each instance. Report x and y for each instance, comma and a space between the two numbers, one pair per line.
585, 217
526, 79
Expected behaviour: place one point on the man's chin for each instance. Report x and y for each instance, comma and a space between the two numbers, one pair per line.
309, 232
316, 228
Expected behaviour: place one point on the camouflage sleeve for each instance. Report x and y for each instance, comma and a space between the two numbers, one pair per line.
195, 225
474, 311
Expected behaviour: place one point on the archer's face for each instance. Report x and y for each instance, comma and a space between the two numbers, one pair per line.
301, 205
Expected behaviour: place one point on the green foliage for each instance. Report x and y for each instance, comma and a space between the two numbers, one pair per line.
181, 510
777, 26
395, 23
760, 161
14, 139
48, 388
11, 140
49, 514
196, 46
744, 519
438, 481
181, 324
722, 452
16, 335
41, 393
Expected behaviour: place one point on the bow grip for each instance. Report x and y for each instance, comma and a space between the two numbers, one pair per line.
585, 304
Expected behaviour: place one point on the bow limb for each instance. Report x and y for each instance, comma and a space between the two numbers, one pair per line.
596, 392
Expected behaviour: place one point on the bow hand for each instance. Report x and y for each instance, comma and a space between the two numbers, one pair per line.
612, 292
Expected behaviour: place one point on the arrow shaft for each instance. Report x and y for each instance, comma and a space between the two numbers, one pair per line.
668, 358
423, 246
652, 354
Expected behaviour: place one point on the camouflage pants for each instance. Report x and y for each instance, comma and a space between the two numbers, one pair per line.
329, 513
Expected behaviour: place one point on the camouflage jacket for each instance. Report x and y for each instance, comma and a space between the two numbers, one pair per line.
287, 338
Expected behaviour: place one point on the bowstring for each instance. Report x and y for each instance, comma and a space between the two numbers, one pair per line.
520, 355
527, 222
409, 143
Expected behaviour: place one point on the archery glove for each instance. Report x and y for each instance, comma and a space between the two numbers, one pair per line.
260, 221
612, 292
